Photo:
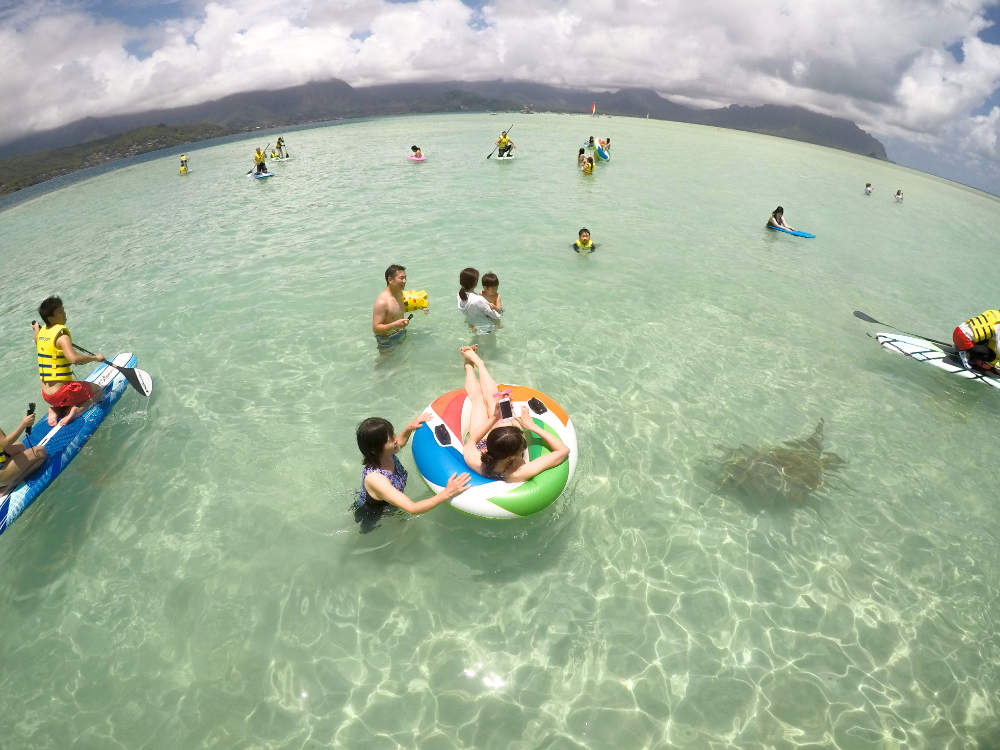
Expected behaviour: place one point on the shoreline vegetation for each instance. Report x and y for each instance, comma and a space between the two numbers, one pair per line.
96, 141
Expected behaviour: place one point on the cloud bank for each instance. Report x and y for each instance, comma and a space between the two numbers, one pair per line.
911, 71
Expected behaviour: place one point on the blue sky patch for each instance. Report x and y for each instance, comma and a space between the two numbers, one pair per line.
139, 13
361, 35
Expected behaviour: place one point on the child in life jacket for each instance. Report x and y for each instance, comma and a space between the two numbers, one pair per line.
67, 398
976, 341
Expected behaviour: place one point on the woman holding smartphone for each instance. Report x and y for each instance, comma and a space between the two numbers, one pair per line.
496, 444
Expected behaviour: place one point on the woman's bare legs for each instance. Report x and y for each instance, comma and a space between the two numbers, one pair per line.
22, 462
486, 382
473, 390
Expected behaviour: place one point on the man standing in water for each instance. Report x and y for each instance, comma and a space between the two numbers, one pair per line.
388, 322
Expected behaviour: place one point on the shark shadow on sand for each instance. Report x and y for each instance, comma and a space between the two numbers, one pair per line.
776, 475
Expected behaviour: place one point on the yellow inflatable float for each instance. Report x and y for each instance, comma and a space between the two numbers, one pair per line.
415, 299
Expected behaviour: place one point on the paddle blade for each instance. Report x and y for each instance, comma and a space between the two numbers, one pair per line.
868, 318
138, 379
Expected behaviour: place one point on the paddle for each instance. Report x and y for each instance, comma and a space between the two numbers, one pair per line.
138, 379
497, 146
251, 169
950, 348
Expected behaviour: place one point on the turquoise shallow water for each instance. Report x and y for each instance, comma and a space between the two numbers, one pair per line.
195, 579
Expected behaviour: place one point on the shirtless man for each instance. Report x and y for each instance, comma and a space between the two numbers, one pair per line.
388, 321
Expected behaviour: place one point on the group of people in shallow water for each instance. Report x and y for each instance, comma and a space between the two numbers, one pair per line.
494, 448
586, 163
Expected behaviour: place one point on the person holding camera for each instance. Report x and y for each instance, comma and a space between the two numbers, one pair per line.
16, 461
495, 447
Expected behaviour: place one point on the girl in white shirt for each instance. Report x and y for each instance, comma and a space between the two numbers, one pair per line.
480, 316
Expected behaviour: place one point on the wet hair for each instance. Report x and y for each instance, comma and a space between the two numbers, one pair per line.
490, 279
778, 210
501, 444
582, 230
392, 271
373, 433
414, 148
590, 160
581, 151
467, 279
48, 307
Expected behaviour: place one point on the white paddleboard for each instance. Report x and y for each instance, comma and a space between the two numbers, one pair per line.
929, 352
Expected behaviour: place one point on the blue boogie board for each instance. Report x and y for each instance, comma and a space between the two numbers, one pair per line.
62, 443
794, 232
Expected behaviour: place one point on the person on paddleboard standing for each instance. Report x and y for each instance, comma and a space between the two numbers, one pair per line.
976, 341
260, 160
67, 398
504, 145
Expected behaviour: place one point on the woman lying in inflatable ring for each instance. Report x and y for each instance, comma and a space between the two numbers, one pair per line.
494, 450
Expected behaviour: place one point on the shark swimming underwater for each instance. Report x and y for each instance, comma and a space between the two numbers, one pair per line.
791, 470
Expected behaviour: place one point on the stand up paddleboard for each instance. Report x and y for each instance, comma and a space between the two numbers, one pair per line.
926, 351
794, 232
62, 443
262, 175
505, 158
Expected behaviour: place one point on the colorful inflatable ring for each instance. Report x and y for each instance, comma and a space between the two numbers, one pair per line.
437, 450
601, 153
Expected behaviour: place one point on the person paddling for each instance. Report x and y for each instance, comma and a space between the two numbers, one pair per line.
260, 160
67, 398
504, 145
976, 341
280, 147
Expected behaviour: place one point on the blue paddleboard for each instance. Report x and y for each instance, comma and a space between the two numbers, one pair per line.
795, 232
262, 175
62, 443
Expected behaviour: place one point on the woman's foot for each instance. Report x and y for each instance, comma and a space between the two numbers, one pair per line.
470, 355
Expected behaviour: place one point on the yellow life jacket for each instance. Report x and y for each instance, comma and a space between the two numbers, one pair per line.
984, 333
588, 168
274, 154
982, 326
583, 245
258, 158
53, 367
504, 140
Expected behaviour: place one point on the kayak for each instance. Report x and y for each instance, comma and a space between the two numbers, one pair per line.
937, 355
794, 232
62, 443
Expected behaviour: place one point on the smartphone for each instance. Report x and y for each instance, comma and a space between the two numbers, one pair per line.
410, 316
31, 410
506, 410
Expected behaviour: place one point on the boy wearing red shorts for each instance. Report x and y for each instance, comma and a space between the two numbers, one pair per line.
67, 398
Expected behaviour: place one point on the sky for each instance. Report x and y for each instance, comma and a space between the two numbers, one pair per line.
922, 76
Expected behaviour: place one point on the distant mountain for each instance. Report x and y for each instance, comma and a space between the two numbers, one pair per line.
335, 99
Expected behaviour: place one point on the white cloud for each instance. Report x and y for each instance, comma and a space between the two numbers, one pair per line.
884, 63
